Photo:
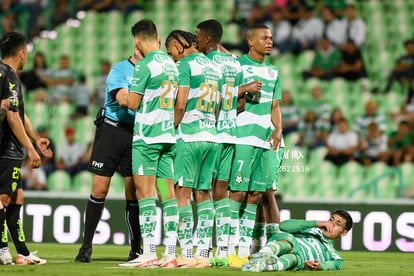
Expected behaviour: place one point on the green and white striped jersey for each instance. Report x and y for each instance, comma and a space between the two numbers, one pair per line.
254, 125
231, 78
311, 244
314, 246
156, 78
203, 78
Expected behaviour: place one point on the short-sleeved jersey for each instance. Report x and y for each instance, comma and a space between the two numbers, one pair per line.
254, 125
156, 78
119, 77
314, 246
231, 79
363, 121
11, 87
310, 244
203, 78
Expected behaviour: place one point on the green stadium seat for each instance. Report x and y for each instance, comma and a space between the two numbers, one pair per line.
327, 168
387, 188
59, 181
82, 182
316, 158
352, 168
408, 175
117, 186
300, 186
376, 169
85, 129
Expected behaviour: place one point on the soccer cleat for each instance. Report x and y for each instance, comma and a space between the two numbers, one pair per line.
202, 262
84, 255
268, 258
235, 261
32, 259
183, 262
5, 257
168, 261
144, 260
134, 254
219, 262
254, 265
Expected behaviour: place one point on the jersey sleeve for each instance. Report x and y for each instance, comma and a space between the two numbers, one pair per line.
141, 76
184, 76
7, 91
116, 79
296, 225
4, 86
331, 265
277, 93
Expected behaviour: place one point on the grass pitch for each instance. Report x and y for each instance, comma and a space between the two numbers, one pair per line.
105, 259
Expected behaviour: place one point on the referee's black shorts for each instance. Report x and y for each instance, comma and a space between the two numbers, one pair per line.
112, 150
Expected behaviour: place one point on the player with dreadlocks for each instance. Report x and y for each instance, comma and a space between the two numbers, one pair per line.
195, 119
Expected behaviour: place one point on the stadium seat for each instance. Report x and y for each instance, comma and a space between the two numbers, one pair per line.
387, 188
352, 168
316, 158
376, 169
85, 130
82, 182
327, 168
408, 175
117, 186
59, 181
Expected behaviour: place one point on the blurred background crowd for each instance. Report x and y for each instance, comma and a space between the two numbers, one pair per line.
346, 68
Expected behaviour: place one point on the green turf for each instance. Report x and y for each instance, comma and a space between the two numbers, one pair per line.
105, 261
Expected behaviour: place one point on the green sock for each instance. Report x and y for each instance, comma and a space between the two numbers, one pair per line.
285, 262
148, 220
205, 215
258, 230
234, 222
278, 248
170, 224
271, 229
247, 220
3, 229
185, 230
222, 208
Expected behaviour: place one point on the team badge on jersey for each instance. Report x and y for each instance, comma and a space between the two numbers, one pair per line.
239, 178
271, 73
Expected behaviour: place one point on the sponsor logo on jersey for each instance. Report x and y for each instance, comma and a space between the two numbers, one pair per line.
202, 60
207, 124
226, 124
161, 58
11, 86
223, 59
166, 125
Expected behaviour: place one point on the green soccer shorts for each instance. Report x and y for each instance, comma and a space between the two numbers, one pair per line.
224, 160
194, 164
153, 159
249, 170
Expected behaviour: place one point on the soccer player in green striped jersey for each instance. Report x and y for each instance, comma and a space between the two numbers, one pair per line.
152, 97
209, 35
303, 245
259, 124
195, 119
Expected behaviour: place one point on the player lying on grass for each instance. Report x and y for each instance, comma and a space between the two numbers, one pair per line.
303, 245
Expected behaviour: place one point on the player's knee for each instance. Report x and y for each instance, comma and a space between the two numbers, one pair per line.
5, 200
254, 197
